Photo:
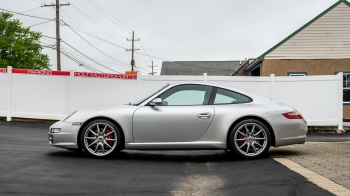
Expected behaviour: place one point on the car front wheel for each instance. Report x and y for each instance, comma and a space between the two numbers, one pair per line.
250, 138
100, 138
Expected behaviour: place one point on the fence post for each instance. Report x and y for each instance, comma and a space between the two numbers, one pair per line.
340, 100
272, 86
205, 79
138, 85
9, 93
71, 91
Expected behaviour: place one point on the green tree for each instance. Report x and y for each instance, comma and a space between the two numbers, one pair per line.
19, 46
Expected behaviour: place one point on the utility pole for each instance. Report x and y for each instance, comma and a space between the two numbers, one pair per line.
152, 69
58, 39
132, 50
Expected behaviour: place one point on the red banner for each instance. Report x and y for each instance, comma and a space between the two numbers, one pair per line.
67, 73
41, 72
104, 75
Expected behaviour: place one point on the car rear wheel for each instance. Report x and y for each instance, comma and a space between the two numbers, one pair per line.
100, 138
250, 139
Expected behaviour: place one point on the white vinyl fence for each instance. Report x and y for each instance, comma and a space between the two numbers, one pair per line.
318, 98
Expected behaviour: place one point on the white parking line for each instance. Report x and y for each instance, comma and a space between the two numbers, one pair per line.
313, 177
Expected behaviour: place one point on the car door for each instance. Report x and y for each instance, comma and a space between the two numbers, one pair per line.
183, 116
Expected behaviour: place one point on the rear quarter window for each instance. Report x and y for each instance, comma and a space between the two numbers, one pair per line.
224, 96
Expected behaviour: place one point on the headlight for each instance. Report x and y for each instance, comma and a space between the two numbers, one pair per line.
69, 115
55, 130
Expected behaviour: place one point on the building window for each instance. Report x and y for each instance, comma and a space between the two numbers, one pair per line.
256, 71
297, 73
346, 87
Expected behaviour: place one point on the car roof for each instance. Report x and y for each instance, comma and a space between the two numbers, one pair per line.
214, 85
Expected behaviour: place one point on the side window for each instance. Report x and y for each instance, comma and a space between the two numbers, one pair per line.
297, 73
187, 95
346, 87
228, 97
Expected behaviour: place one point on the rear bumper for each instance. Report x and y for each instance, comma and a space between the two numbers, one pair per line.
288, 131
66, 138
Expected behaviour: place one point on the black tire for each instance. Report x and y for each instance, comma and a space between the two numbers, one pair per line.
250, 144
108, 139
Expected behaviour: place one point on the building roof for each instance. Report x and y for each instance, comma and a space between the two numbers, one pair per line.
262, 57
213, 68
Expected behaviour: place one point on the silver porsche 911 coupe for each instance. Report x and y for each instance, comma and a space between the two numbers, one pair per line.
183, 116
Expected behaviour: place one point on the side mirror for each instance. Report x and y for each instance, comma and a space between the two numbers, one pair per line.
156, 101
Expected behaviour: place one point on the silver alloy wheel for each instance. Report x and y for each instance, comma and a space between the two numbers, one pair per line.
250, 139
100, 139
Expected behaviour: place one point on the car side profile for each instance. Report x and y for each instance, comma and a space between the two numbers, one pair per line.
183, 116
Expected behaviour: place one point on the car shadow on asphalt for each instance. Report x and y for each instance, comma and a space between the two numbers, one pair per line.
163, 156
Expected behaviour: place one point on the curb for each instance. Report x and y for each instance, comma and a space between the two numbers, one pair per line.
47, 121
328, 129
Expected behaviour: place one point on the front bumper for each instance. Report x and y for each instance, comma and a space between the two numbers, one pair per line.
67, 137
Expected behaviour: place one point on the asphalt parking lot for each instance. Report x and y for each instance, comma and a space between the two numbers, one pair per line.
30, 166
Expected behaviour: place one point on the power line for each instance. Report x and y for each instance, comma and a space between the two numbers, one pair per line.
25, 14
113, 21
52, 42
66, 49
99, 50
41, 23
73, 55
112, 16
96, 37
39, 1
74, 21
144, 49
42, 1
67, 55
142, 59
118, 46
137, 57
136, 68
90, 58
81, 63
78, 62
31, 9
94, 21
47, 36
107, 16
47, 46
94, 46
144, 68
143, 53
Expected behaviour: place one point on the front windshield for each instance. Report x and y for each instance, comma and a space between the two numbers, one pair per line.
148, 96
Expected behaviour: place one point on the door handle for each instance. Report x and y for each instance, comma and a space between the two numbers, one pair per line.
204, 115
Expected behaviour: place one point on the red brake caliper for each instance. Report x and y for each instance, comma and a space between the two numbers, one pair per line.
240, 136
109, 137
